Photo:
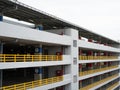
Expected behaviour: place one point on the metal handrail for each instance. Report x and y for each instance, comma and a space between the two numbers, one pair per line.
96, 70
33, 84
99, 82
97, 57
112, 86
29, 58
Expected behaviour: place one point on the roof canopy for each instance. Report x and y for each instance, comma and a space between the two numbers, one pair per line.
20, 11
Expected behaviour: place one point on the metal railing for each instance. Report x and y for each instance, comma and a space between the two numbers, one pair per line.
29, 58
96, 70
97, 57
33, 84
112, 86
98, 83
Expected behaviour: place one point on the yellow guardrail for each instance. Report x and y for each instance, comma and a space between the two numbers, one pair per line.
112, 86
97, 57
99, 82
96, 70
29, 58
33, 84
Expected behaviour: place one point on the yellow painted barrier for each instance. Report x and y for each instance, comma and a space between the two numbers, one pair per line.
97, 57
33, 84
99, 82
29, 58
112, 86
96, 70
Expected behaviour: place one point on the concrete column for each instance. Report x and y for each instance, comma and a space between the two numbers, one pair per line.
38, 71
90, 66
1, 78
54, 89
80, 84
67, 69
39, 27
25, 72
68, 87
80, 52
1, 72
38, 50
1, 17
90, 53
80, 67
1, 48
40, 68
74, 58
105, 53
98, 53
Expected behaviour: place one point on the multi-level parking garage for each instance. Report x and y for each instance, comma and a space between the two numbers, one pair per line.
53, 54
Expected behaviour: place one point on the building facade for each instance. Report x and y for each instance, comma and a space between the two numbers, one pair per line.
53, 54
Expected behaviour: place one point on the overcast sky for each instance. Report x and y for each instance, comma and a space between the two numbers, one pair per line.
101, 16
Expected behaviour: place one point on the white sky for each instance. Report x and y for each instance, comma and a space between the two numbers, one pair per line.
101, 16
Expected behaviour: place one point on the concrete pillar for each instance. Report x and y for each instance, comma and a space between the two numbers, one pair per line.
1, 48
73, 50
80, 67
38, 50
80, 52
98, 65
105, 53
25, 72
1, 72
90, 66
38, 71
90, 53
1, 78
1, 17
98, 53
39, 27
80, 84
68, 87
67, 69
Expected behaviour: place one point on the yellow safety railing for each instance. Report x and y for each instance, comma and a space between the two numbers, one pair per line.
112, 86
96, 70
97, 57
33, 84
99, 82
29, 58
